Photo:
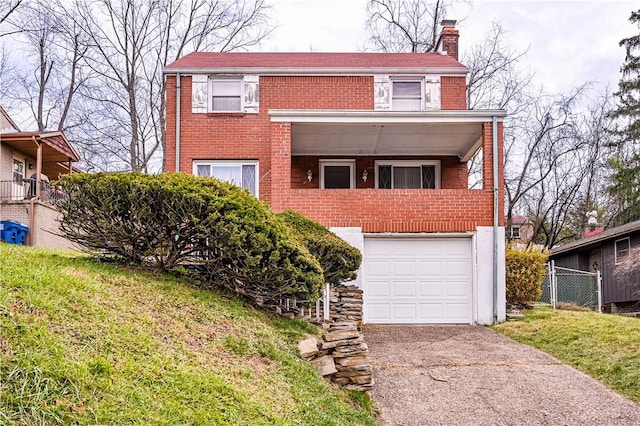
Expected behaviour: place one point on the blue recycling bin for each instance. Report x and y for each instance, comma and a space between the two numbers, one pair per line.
13, 232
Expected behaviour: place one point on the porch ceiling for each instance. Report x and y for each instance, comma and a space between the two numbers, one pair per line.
461, 140
388, 133
56, 150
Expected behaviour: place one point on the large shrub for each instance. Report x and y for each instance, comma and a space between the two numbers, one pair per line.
339, 260
525, 269
219, 232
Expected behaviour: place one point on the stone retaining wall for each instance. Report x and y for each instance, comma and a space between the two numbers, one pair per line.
342, 352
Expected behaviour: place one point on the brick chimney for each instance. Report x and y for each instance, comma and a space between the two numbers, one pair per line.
448, 39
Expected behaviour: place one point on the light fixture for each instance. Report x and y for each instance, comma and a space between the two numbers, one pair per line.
365, 174
309, 175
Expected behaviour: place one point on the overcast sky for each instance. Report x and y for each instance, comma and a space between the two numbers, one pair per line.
568, 42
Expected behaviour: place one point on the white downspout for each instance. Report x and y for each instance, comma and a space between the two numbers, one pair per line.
177, 122
496, 204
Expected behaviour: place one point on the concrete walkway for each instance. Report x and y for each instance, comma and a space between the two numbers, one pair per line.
470, 375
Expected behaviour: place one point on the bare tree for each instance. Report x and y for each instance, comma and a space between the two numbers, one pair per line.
47, 79
495, 81
96, 68
405, 25
554, 163
128, 56
7, 8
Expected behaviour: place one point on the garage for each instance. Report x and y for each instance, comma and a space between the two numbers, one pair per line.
418, 280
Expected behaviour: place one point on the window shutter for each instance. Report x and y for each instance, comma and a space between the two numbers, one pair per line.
199, 96
251, 93
382, 92
432, 92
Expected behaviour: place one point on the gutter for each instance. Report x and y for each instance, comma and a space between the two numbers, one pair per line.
321, 71
494, 131
178, 122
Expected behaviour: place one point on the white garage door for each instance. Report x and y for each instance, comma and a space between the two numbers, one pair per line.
417, 280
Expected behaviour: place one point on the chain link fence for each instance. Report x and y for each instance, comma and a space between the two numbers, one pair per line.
564, 285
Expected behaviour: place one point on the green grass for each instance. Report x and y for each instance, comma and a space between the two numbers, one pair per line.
606, 347
83, 342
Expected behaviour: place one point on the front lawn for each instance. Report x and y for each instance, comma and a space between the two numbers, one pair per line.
83, 342
606, 347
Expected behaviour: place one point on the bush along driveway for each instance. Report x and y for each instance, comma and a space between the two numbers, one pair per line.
461, 375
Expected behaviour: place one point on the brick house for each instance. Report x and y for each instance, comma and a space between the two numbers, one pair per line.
374, 146
29, 162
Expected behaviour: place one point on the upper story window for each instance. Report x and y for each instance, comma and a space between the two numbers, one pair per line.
18, 170
337, 174
408, 174
622, 249
406, 93
406, 96
226, 94
240, 173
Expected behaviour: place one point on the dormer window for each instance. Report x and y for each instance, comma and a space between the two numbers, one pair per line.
406, 96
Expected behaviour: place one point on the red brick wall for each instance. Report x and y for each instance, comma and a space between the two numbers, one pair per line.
396, 210
248, 136
309, 92
254, 136
454, 174
453, 92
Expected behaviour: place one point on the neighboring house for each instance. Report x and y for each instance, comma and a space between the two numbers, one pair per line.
374, 146
29, 161
520, 230
606, 251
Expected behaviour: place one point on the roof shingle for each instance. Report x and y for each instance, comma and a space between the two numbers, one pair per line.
209, 60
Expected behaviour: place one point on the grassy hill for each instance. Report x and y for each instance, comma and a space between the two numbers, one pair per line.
88, 343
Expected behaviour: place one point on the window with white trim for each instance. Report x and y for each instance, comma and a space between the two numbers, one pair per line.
622, 249
515, 231
407, 95
408, 174
337, 174
240, 173
226, 94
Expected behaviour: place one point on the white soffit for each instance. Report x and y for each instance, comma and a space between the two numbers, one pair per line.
449, 132
388, 139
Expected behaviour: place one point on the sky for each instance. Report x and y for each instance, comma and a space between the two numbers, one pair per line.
567, 42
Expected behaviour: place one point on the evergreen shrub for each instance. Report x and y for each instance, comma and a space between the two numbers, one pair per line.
339, 260
219, 233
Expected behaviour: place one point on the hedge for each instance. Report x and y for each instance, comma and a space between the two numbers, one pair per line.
220, 233
338, 259
525, 270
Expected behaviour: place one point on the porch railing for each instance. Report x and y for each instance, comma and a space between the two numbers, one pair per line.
25, 189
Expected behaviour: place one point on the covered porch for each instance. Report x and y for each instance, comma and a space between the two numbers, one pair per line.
387, 171
32, 161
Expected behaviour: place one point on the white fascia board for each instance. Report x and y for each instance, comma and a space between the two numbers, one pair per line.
442, 71
385, 117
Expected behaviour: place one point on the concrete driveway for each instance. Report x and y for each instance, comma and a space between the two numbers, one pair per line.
471, 375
